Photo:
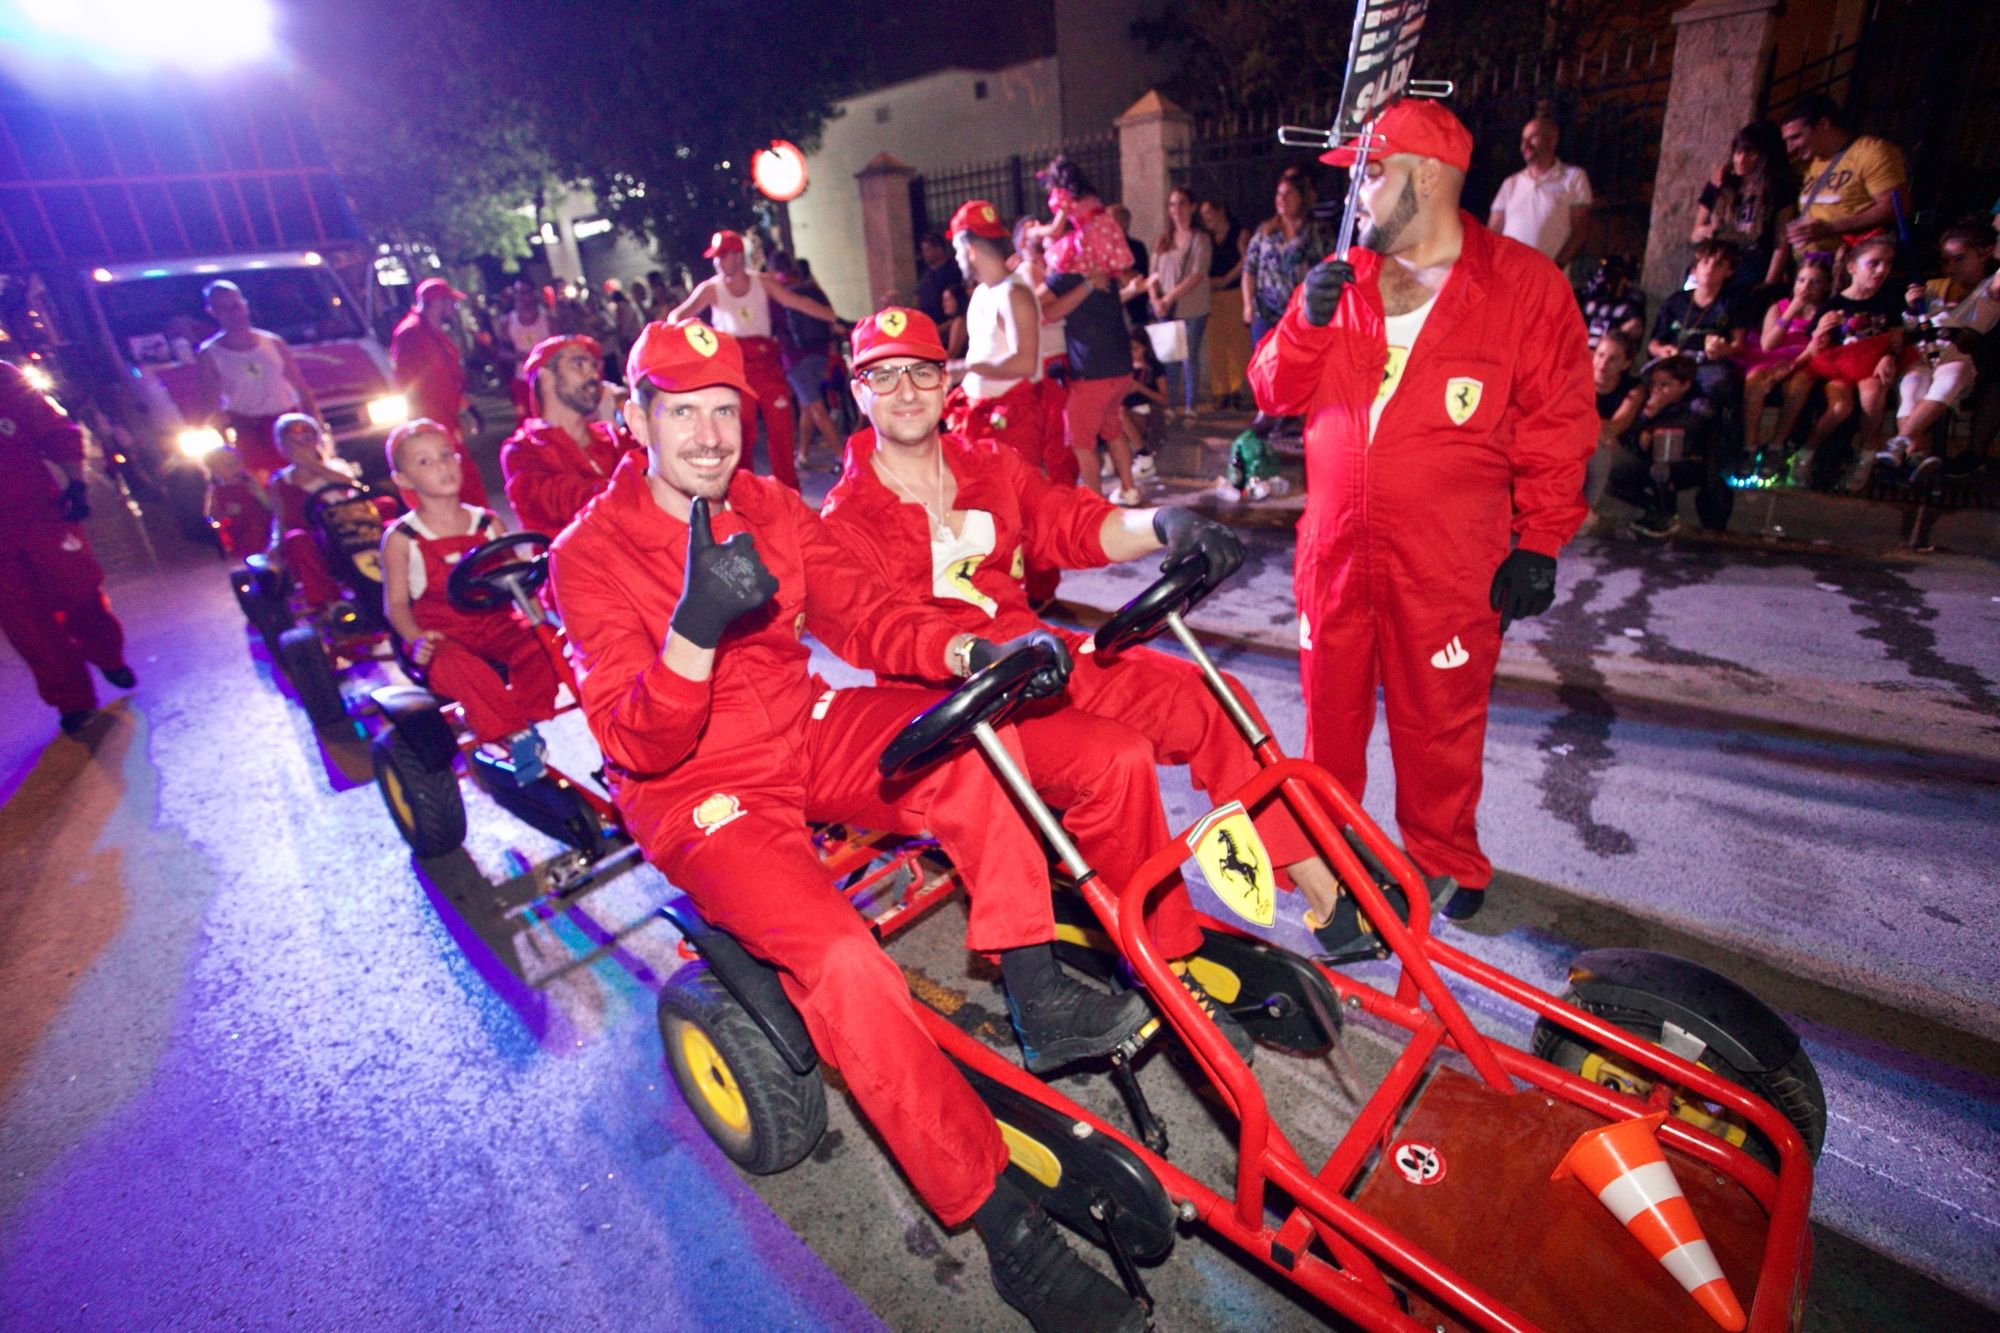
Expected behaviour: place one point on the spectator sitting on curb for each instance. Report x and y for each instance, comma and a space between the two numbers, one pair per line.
1851, 180
1749, 202
1779, 363
1949, 315
1855, 348
1620, 397
1705, 325
1610, 301
1675, 453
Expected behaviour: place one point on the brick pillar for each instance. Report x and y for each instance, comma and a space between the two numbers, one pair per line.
1721, 53
1150, 134
888, 230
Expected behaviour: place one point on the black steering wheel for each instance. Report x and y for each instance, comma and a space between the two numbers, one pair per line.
486, 577
1181, 589
986, 696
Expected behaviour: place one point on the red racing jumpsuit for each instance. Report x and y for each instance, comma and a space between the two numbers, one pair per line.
52, 604
476, 642
716, 779
428, 369
550, 478
1142, 709
1482, 444
239, 515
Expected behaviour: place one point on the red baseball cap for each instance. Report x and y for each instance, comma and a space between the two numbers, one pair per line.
978, 217
1418, 126
896, 331
548, 349
430, 287
681, 358
724, 242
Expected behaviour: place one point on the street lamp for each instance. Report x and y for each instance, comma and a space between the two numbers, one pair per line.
779, 173
204, 35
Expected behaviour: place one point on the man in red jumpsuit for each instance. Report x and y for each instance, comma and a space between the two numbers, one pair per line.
1444, 472
426, 366
956, 522
52, 604
555, 461
686, 587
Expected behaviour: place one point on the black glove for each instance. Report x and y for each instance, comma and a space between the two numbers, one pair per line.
74, 504
1187, 534
724, 581
1523, 586
1324, 283
1043, 683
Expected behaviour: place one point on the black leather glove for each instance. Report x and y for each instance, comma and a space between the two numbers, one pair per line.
1523, 586
1043, 683
724, 580
1325, 281
74, 504
1187, 534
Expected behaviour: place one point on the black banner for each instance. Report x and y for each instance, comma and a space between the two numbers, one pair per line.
1378, 60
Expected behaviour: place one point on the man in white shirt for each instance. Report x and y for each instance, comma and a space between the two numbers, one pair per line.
1546, 204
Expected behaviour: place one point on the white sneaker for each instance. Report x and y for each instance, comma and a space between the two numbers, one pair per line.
1143, 468
1894, 452
1126, 496
1802, 466
1279, 485
1225, 491
1258, 489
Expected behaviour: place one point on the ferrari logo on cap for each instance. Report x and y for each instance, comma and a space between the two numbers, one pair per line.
1233, 859
1461, 398
1020, 565
702, 339
715, 811
892, 322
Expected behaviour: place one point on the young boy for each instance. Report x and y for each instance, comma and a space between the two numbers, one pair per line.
312, 467
1621, 396
1702, 322
1675, 448
459, 650
236, 507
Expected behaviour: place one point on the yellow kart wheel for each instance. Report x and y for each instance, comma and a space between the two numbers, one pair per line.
762, 1114
1793, 1087
424, 802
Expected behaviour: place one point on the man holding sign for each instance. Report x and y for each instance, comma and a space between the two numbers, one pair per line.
1446, 383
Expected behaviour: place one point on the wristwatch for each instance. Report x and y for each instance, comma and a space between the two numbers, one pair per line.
958, 655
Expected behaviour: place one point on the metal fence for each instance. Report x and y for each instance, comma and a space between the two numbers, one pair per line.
1009, 184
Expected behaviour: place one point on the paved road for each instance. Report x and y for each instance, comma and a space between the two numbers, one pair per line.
264, 1070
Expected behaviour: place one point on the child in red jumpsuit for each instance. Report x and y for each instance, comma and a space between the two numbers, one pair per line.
460, 650
313, 468
237, 508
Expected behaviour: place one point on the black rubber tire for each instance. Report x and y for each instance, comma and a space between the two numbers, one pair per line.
1792, 1087
302, 658
783, 1114
424, 803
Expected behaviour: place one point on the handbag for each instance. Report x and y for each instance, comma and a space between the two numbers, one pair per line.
1170, 340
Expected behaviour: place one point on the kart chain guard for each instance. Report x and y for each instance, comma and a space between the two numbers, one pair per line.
1085, 1169
751, 980
542, 805
1281, 1000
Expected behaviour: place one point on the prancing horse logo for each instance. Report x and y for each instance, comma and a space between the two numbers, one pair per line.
1235, 863
1461, 398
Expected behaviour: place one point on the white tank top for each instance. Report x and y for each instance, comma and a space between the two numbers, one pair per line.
746, 316
524, 334
484, 523
253, 383
990, 335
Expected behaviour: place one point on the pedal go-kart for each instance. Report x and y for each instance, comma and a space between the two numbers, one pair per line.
315, 651
419, 753
1436, 1209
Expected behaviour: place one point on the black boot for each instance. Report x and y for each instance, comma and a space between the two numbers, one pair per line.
1350, 937
75, 720
1038, 1274
1465, 904
1059, 1019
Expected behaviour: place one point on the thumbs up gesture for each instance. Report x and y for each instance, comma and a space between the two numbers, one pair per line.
724, 580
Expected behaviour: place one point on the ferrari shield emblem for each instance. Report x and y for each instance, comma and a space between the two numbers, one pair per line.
892, 322
1461, 398
702, 338
956, 581
1233, 859
1020, 565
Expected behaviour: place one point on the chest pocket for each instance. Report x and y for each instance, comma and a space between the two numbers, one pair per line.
1470, 395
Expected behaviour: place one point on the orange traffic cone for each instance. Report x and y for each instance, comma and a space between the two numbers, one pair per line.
1623, 1166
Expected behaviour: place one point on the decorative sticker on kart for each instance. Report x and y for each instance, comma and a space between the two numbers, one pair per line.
715, 811
1232, 858
1420, 1163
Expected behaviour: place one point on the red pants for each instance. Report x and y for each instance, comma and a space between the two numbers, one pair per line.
53, 610
257, 446
307, 566
463, 668
766, 373
1160, 705
756, 876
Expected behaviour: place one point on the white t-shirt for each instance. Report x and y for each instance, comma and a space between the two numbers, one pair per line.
1536, 212
990, 335
1400, 332
525, 333
745, 316
253, 383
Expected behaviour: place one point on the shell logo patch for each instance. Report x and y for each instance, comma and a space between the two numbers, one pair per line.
1233, 860
1461, 398
702, 338
892, 322
715, 811
1019, 567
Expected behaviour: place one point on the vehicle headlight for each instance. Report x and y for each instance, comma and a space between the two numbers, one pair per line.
390, 410
199, 441
38, 379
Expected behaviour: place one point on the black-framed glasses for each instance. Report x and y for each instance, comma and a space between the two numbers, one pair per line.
883, 379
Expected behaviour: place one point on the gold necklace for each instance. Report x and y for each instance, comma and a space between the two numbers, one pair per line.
935, 515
